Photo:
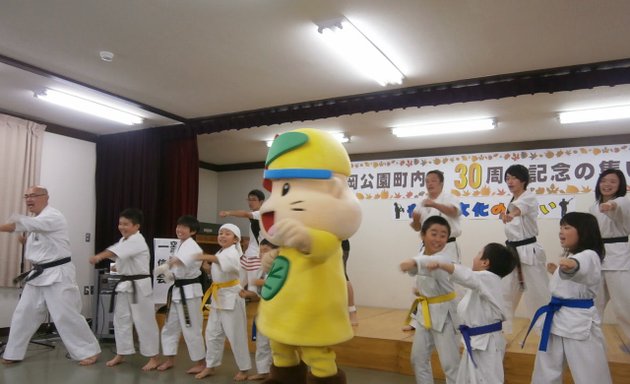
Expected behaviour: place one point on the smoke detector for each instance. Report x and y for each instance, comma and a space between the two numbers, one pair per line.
107, 56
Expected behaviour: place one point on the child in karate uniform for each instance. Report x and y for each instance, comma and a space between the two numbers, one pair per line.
572, 331
184, 298
482, 311
134, 306
227, 313
612, 211
263, 356
436, 308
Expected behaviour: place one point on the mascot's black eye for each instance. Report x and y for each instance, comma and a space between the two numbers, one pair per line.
285, 188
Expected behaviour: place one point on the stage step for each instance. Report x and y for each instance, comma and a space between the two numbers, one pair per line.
379, 343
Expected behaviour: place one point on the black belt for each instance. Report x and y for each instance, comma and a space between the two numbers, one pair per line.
515, 244
620, 239
180, 283
132, 278
39, 269
512, 245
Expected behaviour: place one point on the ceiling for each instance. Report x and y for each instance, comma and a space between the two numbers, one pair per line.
188, 59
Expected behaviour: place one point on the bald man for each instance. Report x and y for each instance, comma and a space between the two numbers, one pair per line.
51, 284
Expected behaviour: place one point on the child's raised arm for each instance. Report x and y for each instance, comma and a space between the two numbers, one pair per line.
568, 265
448, 267
106, 254
208, 257
408, 265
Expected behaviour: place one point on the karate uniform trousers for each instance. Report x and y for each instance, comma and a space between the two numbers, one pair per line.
63, 301
140, 315
175, 326
263, 357
230, 323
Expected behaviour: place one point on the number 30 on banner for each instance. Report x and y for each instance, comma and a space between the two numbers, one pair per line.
469, 176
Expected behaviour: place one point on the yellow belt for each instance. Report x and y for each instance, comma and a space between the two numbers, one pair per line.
425, 301
214, 290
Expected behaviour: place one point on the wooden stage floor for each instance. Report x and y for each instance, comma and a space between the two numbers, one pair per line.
379, 343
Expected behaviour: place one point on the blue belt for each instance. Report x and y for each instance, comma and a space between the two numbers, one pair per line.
468, 332
550, 309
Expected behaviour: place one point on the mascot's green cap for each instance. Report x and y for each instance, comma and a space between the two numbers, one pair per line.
306, 153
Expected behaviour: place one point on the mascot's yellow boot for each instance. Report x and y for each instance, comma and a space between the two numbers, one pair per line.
288, 375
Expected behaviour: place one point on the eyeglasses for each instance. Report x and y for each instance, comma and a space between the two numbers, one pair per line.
34, 195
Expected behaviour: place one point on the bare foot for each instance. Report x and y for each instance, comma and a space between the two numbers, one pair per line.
151, 364
241, 376
168, 364
258, 376
197, 368
90, 360
9, 362
205, 372
408, 328
115, 361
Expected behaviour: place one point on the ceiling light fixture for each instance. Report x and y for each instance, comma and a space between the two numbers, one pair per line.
594, 114
339, 136
88, 106
445, 127
355, 47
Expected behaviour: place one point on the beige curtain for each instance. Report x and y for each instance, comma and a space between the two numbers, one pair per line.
20, 159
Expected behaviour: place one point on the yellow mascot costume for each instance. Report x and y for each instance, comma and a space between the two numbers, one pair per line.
304, 309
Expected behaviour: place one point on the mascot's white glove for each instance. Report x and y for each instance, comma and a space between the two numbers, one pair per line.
291, 233
165, 271
267, 260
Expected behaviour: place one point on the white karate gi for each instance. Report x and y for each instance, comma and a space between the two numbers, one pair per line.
483, 304
615, 285
533, 261
55, 290
576, 336
133, 259
175, 324
227, 314
263, 357
250, 261
445, 198
444, 321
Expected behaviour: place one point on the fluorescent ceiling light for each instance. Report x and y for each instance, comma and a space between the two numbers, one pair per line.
595, 114
444, 127
355, 47
88, 106
340, 136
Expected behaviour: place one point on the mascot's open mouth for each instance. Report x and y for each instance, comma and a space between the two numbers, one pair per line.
268, 220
